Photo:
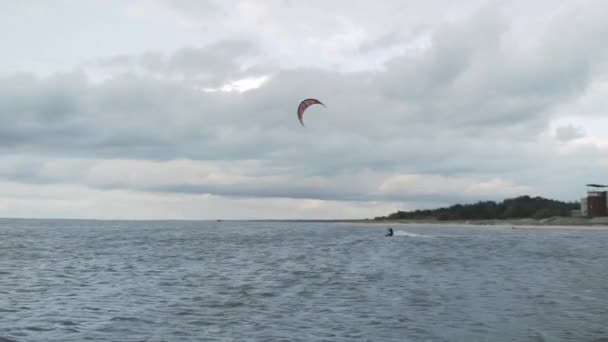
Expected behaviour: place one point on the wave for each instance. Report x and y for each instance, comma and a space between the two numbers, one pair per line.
404, 233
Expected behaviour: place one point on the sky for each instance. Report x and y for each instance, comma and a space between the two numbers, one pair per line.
186, 109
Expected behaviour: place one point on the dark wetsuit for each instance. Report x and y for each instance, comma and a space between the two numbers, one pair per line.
390, 232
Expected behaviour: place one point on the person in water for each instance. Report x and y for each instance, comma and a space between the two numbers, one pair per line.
390, 232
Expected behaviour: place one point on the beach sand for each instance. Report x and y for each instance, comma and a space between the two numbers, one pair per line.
553, 223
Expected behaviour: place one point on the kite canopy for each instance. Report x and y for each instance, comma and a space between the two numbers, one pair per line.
305, 104
597, 186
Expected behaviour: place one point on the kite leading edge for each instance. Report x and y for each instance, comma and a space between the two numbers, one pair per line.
304, 105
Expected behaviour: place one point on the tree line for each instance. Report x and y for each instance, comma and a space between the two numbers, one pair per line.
518, 207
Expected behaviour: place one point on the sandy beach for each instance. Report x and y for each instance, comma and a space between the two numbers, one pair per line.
566, 223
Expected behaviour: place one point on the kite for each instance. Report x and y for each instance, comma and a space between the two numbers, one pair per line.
305, 104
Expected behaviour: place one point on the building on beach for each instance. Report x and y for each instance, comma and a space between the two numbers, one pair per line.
595, 203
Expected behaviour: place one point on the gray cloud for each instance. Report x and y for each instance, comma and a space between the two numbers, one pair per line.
197, 8
568, 133
207, 66
258, 181
472, 81
472, 105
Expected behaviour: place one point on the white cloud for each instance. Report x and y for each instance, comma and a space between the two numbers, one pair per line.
429, 184
427, 103
68, 201
569, 132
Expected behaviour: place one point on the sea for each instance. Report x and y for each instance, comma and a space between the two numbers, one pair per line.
80, 280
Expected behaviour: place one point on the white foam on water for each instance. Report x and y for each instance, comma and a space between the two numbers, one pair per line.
404, 233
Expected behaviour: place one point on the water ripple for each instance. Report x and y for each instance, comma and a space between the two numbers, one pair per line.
192, 281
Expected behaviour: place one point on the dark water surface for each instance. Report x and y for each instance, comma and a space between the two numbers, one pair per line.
252, 281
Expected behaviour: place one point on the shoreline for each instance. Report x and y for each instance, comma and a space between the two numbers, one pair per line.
553, 223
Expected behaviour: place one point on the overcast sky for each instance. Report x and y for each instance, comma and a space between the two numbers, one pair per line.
186, 109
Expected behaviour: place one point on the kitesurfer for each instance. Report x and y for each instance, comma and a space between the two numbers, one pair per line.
390, 232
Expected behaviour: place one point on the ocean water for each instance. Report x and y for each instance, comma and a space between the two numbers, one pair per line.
64, 280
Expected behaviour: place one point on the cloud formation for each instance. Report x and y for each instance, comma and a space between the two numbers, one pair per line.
469, 113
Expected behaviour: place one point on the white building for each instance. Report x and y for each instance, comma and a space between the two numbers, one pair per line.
584, 208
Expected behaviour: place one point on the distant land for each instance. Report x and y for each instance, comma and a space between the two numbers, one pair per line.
523, 207
521, 212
